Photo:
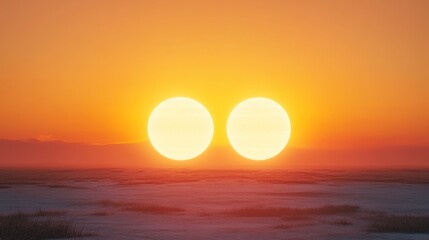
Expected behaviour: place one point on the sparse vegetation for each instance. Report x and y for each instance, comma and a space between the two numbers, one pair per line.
287, 212
101, 214
63, 186
343, 222
44, 213
141, 207
219, 209
155, 209
21, 227
309, 194
399, 224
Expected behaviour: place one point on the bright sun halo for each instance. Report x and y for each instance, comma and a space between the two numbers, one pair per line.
180, 128
258, 128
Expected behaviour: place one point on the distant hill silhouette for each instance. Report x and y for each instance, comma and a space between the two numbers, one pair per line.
57, 154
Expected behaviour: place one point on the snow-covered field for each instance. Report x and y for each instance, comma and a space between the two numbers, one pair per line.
186, 204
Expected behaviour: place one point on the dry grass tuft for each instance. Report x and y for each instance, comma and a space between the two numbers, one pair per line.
63, 186
155, 209
399, 224
141, 207
293, 213
44, 213
22, 227
343, 222
100, 214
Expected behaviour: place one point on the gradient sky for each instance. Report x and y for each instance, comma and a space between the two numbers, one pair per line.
351, 74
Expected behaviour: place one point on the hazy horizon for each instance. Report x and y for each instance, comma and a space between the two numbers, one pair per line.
59, 154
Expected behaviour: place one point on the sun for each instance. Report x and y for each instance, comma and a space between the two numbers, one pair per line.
180, 128
258, 128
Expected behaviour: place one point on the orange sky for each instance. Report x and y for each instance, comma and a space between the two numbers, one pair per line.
351, 74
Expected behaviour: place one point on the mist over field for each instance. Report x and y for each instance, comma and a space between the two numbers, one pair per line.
221, 204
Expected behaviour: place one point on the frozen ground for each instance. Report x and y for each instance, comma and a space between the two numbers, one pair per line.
185, 204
